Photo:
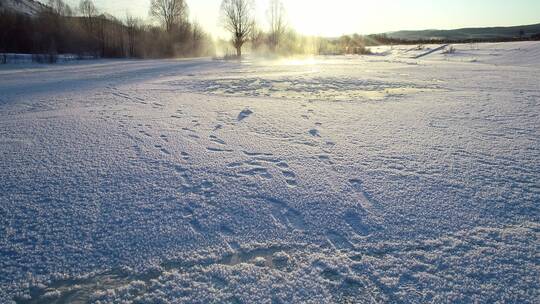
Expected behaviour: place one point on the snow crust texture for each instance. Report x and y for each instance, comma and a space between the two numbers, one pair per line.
375, 179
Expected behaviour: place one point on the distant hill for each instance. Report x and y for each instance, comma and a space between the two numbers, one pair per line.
469, 33
26, 7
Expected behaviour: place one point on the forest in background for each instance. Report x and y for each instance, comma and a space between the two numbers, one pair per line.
86, 32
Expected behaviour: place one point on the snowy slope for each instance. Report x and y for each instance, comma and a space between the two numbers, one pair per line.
512, 54
469, 33
26, 7
337, 179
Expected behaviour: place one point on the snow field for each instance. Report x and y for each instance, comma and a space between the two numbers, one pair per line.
339, 179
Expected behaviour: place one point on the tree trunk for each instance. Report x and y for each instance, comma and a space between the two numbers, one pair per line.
239, 51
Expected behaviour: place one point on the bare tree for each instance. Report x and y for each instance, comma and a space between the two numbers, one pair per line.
197, 36
169, 12
276, 19
238, 20
257, 38
89, 12
60, 7
132, 25
88, 9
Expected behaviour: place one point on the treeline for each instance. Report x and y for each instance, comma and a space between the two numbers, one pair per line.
86, 32
344, 45
359, 44
383, 39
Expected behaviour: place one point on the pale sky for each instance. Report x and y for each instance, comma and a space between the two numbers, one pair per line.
337, 17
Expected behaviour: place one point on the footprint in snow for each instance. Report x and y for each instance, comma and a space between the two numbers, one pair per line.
314, 132
366, 200
217, 140
213, 149
163, 150
244, 114
290, 178
285, 215
338, 240
358, 222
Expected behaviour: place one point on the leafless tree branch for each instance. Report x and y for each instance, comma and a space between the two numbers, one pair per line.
238, 20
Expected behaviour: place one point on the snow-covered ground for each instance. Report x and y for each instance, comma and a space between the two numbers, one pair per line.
326, 180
